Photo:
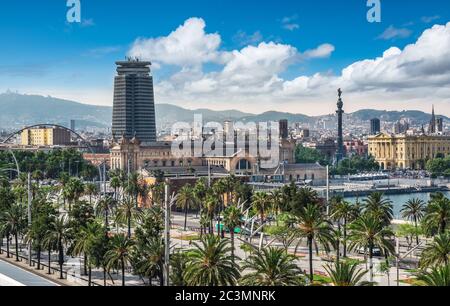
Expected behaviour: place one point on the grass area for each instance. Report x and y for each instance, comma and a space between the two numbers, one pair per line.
321, 279
187, 237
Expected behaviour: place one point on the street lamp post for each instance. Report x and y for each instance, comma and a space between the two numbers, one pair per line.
29, 215
166, 234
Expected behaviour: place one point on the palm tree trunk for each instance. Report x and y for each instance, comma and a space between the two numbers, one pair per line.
129, 227
16, 239
311, 271
417, 233
338, 244
85, 264
90, 276
232, 244
39, 257
185, 216
60, 259
371, 263
161, 274
106, 219
123, 272
344, 243
104, 276
49, 261
7, 245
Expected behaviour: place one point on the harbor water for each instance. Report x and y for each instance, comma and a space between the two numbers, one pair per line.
399, 199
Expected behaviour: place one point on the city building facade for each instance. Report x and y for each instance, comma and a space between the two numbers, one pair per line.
45, 136
407, 151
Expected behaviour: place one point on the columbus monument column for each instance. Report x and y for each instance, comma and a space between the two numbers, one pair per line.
340, 140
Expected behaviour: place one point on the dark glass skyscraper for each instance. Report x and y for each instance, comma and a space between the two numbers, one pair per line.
375, 126
134, 102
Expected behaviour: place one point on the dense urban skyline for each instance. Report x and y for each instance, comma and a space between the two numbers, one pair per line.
288, 57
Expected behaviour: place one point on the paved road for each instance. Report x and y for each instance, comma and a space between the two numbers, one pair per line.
11, 275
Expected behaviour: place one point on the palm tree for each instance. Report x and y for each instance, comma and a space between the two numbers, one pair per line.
200, 191
313, 226
91, 190
119, 255
271, 267
232, 219
438, 252
59, 235
127, 213
414, 210
132, 187
220, 188
185, 200
343, 211
178, 263
83, 242
376, 203
345, 274
209, 210
437, 216
12, 223
115, 183
261, 204
148, 260
277, 200
436, 277
368, 232
209, 263
104, 207
74, 190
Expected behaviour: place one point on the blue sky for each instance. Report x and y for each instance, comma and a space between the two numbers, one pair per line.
42, 53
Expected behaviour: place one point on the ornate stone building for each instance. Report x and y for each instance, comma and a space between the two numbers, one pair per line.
407, 152
133, 155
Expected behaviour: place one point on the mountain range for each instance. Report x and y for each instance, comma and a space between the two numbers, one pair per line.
19, 110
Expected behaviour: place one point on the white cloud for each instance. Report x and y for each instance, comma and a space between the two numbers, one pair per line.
242, 38
392, 33
289, 23
252, 78
188, 45
321, 51
430, 19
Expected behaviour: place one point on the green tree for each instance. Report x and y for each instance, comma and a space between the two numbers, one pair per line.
91, 190
313, 226
414, 210
346, 274
381, 207
368, 232
185, 200
178, 264
74, 190
210, 264
436, 277
59, 235
12, 223
437, 215
120, 254
438, 252
148, 259
232, 219
271, 267
305, 155
127, 214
